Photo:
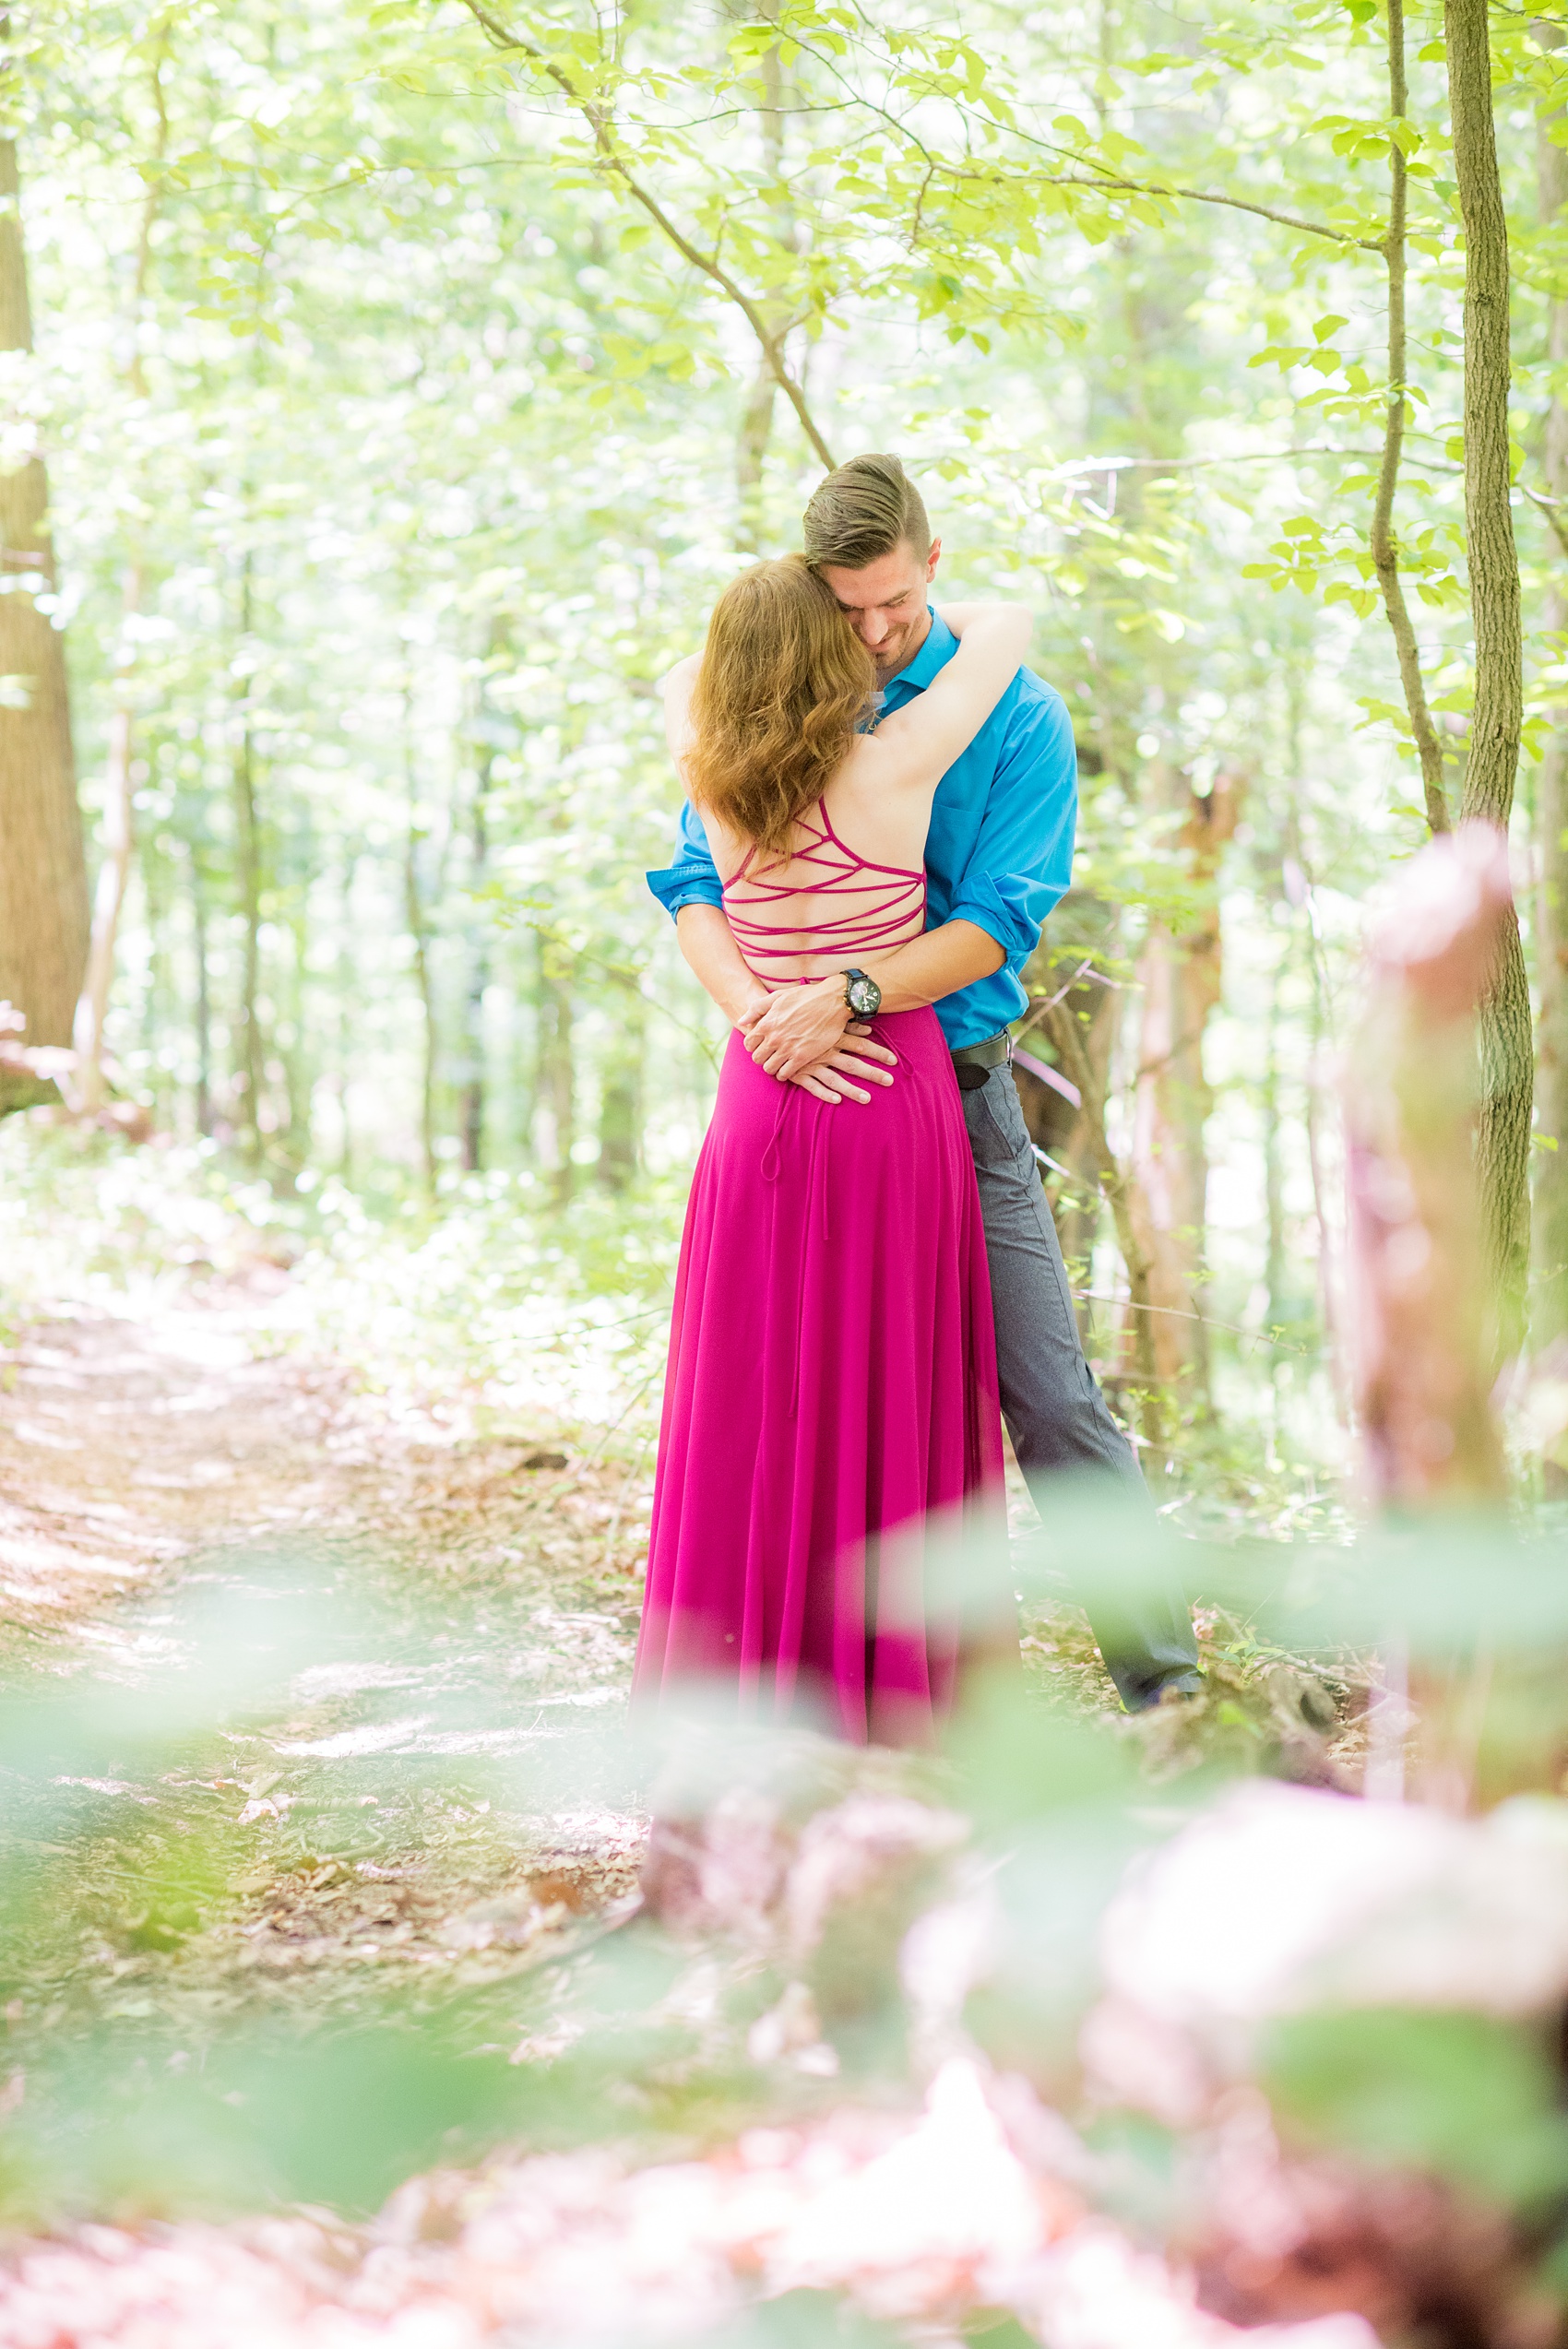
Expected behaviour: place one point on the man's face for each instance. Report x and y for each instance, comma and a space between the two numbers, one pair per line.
886, 605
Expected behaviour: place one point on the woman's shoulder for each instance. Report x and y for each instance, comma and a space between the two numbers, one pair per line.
872, 817
729, 851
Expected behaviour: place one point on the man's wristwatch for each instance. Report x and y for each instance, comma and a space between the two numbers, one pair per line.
863, 994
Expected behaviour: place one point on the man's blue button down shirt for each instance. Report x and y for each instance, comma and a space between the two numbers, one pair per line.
1000, 849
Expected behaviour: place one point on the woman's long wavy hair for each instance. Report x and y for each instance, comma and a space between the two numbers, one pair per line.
784, 684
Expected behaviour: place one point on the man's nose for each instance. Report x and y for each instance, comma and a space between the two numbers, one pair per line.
874, 627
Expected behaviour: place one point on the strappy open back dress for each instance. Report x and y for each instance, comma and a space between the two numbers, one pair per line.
831, 1422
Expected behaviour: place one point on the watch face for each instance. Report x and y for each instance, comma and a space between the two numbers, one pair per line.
864, 995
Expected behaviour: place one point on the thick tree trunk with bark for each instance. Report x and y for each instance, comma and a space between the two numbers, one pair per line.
1504, 1129
1181, 977
43, 897
1549, 1290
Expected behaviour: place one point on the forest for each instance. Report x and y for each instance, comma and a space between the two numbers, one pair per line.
388, 390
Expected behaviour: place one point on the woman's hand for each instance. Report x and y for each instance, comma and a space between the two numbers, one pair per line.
856, 1057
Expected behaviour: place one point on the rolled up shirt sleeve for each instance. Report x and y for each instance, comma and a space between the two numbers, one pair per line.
1022, 860
693, 879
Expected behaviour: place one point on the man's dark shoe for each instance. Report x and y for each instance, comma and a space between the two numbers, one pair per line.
1181, 1684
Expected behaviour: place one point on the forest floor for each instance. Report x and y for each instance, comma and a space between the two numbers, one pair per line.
476, 1603
427, 1797
273, 1945
428, 1800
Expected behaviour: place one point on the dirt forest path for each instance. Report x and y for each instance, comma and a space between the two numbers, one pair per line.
416, 1791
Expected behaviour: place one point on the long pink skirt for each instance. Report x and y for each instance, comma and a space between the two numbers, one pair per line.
826, 1513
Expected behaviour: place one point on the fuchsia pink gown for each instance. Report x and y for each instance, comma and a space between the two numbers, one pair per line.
832, 1373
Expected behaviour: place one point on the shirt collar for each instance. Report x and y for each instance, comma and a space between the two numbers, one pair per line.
933, 656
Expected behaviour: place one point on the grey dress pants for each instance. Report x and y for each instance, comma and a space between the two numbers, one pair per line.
1057, 1417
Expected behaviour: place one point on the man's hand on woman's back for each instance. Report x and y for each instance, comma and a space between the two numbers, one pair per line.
798, 1026
854, 1064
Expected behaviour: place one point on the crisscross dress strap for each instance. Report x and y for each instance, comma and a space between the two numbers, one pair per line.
864, 907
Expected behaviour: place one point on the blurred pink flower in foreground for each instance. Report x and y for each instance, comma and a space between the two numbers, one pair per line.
918, 2218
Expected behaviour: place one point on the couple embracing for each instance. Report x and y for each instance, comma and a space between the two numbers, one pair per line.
881, 813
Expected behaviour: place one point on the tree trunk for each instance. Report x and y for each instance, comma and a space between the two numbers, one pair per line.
1423, 1376
1278, 1308
1181, 978
1504, 1126
113, 871
1082, 927
418, 935
204, 998
43, 895
1120, 1190
757, 417
345, 992
1297, 880
118, 840
1384, 547
292, 1066
751, 449
161, 997
1549, 1290
621, 1101
556, 1088
250, 1060
473, 1089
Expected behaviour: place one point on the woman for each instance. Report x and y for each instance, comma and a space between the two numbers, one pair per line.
832, 1373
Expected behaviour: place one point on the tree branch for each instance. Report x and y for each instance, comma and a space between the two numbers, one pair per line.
1130, 187
1551, 507
614, 160
1232, 203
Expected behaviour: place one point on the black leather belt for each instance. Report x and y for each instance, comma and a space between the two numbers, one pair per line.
974, 1062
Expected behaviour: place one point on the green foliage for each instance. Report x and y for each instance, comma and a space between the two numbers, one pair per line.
429, 440
1459, 2095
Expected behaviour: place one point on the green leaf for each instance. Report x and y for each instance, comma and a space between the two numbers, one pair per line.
1463, 2096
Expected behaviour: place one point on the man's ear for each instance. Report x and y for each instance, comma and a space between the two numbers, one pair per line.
932, 559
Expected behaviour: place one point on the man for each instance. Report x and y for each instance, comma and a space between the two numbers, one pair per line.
998, 857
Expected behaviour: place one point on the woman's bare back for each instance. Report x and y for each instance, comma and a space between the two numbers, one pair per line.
820, 907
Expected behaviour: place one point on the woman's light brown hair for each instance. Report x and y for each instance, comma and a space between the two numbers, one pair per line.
784, 683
